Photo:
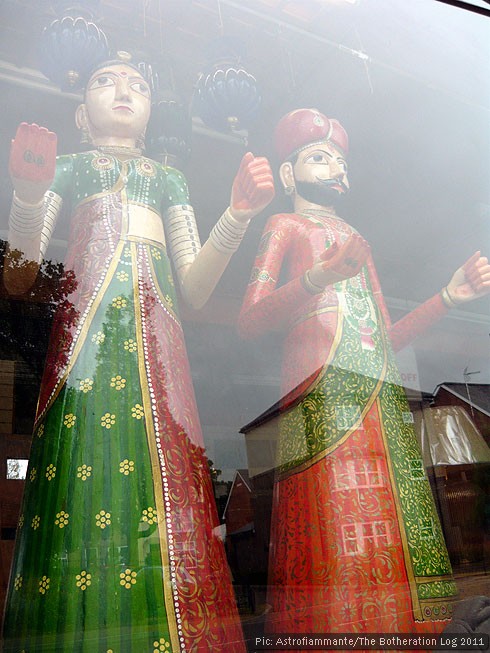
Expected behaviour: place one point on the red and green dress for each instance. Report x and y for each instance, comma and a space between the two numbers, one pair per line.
116, 548
356, 544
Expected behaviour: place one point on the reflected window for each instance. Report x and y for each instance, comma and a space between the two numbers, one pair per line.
363, 536
359, 474
417, 470
426, 528
347, 416
407, 417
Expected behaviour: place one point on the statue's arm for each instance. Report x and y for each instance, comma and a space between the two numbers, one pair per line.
200, 268
34, 208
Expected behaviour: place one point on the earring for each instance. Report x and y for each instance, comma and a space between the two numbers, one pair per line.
140, 141
290, 190
85, 137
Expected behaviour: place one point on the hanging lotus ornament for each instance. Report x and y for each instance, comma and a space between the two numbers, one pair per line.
72, 45
226, 96
169, 131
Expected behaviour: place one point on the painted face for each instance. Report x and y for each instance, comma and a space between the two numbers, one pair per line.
320, 173
117, 103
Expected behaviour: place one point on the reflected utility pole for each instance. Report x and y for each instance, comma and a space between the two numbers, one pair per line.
466, 376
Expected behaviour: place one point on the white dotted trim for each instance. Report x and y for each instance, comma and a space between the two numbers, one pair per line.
161, 458
154, 288
106, 201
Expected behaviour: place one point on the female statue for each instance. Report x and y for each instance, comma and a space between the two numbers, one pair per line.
116, 549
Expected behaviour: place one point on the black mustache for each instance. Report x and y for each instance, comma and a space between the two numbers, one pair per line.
328, 183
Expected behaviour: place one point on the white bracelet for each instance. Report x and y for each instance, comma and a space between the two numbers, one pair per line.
447, 300
26, 219
308, 284
183, 237
52, 209
227, 233
27, 222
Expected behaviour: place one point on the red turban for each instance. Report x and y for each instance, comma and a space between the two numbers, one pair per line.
305, 127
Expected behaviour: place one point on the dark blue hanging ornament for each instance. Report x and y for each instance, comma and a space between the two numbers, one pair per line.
226, 96
169, 130
72, 45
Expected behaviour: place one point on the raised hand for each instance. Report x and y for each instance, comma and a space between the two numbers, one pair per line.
470, 281
253, 188
32, 162
340, 262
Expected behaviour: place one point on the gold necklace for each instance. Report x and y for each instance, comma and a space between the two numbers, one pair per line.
120, 150
323, 213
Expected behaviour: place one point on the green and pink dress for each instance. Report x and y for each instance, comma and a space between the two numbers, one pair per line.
356, 544
116, 548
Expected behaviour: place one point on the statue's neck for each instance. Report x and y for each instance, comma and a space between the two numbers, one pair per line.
301, 205
113, 141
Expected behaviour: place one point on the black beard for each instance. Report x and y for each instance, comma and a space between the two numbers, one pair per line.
319, 192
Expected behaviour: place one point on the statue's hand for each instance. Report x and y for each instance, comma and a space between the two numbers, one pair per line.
340, 262
471, 280
32, 162
253, 188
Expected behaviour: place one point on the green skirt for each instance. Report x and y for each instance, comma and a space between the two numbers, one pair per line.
116, 550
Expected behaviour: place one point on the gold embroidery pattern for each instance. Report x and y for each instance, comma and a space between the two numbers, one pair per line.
149, 515
84, 580
98, 337
108, 420
145, 168
103, 519
122, 276
61, 519
119, 302
128, 578
103, 163
84, 471
86, 385
118, 382
126, 467
69, 420
137, 411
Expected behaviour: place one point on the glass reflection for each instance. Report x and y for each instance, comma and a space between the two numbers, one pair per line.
117, 537
356, 543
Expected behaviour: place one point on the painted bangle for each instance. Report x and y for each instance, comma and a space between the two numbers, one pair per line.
182, 234
26, 219
227, 233
447, 299
308, 284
